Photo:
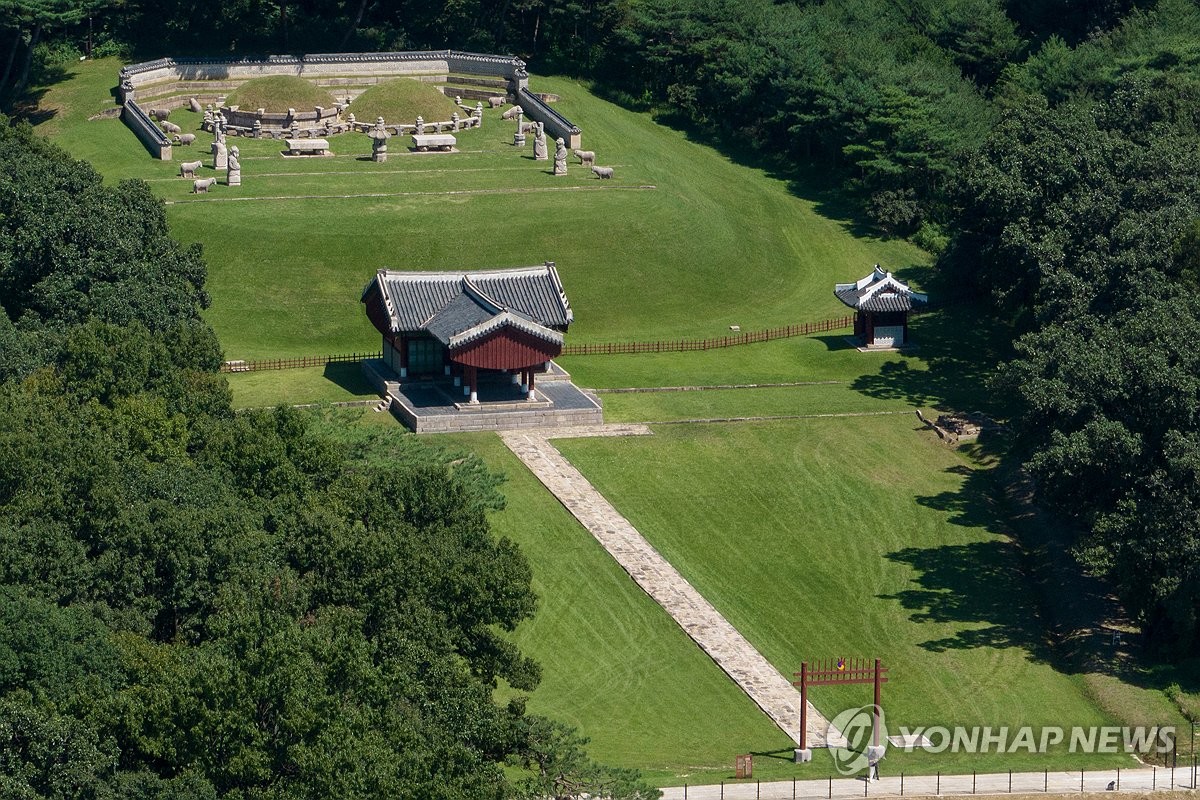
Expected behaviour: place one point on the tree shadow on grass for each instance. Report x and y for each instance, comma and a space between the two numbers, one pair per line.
956, 348
976, 584
1022, 588
349, 376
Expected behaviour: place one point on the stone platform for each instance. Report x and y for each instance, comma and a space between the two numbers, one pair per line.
433, 404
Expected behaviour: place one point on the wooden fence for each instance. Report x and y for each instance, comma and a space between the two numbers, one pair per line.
597, 349
297, 362
684, 345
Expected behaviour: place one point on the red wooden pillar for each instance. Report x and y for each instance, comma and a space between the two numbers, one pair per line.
803, 705
473, 377
875, 710
531, 374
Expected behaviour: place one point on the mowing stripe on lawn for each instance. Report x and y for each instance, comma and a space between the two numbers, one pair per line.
705, 420
411, 194
176, 178
646, 389
706, 626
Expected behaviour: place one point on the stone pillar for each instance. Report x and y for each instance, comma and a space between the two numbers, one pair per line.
454, 121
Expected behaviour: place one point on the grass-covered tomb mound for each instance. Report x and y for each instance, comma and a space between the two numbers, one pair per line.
278, 93
401, 101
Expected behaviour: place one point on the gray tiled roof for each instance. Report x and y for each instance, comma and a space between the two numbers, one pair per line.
448, 303
879, 291
880, 301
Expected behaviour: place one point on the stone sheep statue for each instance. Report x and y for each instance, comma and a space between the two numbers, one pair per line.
171, 127
603, 173
194, 105
496, 102
201, 185
187, 169
185, 139
160, 114
586, 157
512, 113
529, 127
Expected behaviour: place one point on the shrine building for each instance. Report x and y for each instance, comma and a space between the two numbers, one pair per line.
882, 305
468, 325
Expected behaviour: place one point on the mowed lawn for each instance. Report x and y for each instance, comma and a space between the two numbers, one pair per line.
682, 242
614, 664
862, 536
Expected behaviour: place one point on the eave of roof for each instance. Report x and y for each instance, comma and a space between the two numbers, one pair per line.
503, 320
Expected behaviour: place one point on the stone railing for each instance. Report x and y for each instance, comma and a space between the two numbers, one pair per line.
147, 130
557, 126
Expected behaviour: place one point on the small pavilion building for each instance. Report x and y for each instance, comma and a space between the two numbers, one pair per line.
463, 324
881, 304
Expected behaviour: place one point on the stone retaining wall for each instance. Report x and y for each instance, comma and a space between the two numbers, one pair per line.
151, 76
495, 421
147, 130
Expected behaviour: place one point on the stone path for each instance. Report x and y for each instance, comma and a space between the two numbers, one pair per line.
773, 693
1140, 780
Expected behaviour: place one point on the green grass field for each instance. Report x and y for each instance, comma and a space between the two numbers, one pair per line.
866, 537
710, 244
614, 664
817, 537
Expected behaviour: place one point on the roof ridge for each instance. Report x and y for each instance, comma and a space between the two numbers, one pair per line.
480, 296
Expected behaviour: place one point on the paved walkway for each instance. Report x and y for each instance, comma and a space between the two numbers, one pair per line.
1140, 780
773, 693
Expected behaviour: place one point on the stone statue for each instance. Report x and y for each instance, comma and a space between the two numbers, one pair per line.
219, 153
208, 120
539, 143
379, 136
560, 156
420, 126
454, 121
235, 167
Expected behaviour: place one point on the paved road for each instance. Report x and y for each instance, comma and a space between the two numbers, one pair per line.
1139, 780
765, 685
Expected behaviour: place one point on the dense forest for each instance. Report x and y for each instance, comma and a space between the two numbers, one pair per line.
201, 604
1047, 151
